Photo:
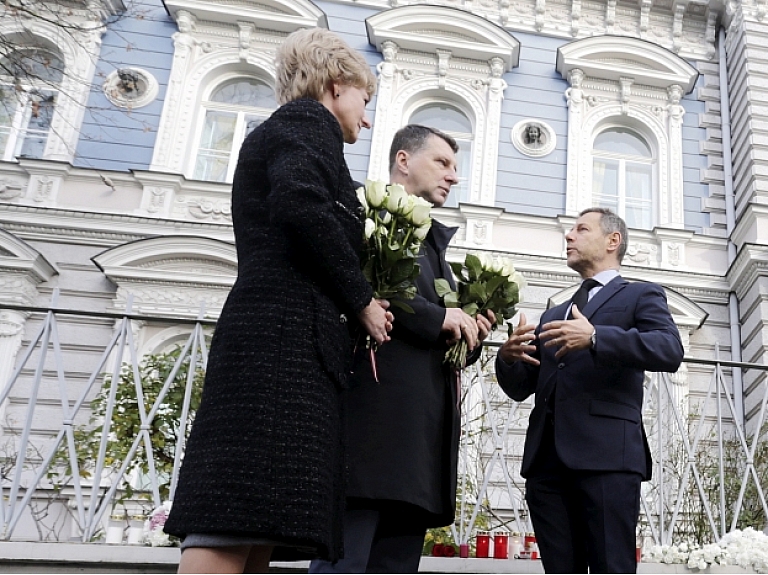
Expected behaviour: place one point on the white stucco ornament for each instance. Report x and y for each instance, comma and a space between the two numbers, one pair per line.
533, 138
130, 87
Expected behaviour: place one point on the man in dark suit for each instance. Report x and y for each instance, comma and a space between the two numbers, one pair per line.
585, 450
403, 431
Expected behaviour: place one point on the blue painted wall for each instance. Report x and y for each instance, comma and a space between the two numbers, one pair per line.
116, 139
525, 185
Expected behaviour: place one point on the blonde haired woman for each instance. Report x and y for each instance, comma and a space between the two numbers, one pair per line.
263, 470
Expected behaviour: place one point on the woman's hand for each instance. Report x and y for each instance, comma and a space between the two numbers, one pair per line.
376, 320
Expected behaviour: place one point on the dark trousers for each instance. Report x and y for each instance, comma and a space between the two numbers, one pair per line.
584, 521
376, 541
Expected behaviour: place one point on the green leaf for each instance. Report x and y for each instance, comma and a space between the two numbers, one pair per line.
477, 292
470, 309
458, 269
473, 266
451, 299
442, 287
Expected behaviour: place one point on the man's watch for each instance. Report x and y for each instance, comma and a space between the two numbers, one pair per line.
593, 339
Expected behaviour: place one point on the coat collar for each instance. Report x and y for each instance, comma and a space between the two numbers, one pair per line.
606, 292
440, 235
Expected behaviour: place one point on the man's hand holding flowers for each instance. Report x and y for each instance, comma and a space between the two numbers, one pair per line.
488, 289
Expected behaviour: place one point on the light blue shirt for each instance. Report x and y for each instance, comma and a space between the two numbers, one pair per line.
603, 277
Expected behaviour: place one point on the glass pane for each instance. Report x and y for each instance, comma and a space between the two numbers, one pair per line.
215, 146
34, 64
251, 123
246, 92
218, 131
211, 166
638, 215
638, 181
442, 117
39, 116
622, 141
605, 181
8, 103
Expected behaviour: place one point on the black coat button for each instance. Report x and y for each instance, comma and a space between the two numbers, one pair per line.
342, 318
560, 365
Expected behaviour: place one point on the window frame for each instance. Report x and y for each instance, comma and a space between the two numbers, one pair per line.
651, 160
454, 198
207, 105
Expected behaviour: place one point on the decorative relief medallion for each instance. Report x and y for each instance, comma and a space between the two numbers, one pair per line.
642, 254
130, 87
533, 138
210, 210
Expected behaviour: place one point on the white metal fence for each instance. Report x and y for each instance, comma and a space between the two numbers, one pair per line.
709, 472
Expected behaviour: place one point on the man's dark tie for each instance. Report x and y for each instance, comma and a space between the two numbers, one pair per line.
581, 297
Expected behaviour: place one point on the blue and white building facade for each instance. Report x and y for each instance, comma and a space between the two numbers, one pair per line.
657, 109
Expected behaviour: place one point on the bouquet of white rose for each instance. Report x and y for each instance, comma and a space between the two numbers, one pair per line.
483, 283
396, 224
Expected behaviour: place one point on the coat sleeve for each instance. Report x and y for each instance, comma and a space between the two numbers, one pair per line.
425, 324
652, 344
306, 157
519, 379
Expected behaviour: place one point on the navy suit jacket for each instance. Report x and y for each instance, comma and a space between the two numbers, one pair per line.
599, 392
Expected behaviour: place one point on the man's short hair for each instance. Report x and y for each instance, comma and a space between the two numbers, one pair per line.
609, 223
413, 137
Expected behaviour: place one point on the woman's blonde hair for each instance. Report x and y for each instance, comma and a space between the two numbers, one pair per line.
310, 59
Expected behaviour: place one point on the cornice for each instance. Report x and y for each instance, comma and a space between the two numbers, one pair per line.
101, 229
751, 263
687, 28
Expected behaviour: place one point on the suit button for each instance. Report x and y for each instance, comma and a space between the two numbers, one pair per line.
560, 365
342, 318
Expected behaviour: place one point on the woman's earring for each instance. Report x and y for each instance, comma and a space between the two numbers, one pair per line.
337, 94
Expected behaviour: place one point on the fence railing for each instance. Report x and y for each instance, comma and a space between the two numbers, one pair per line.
709, 472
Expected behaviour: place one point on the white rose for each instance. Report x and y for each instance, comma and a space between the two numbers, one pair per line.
361, 196
420, 212
370, 227
375, 193
421, 232
397, 201
386, 218
486, 260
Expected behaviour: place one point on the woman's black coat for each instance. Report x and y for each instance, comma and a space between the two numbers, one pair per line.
265, 457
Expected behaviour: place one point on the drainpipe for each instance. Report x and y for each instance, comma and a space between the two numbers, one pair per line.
730, 224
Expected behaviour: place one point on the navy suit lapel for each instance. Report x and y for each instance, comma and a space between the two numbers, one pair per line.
606, 293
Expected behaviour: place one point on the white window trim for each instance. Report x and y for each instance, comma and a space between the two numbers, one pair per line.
240, 126
631, 82
215, 39
79, 52
653, 161
439, 53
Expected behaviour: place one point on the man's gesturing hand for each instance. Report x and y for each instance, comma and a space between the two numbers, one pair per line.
519, 345
569, 334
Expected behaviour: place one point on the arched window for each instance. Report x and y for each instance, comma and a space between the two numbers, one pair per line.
456, 124
232, 111
29, 82
622, 176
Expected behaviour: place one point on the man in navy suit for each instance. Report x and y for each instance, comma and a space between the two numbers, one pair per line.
585, 450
